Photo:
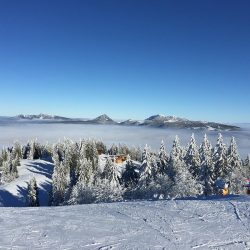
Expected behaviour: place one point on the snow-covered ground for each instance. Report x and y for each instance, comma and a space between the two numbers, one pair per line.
215, 223
14, 193
180, 224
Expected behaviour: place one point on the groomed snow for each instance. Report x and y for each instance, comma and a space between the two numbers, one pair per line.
182, 224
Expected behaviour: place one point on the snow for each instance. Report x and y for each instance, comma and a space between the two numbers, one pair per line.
174, 224
14, 193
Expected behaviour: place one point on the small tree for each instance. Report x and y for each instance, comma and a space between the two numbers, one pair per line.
111, 173
9, 167
184, 183
33, 193
163, 159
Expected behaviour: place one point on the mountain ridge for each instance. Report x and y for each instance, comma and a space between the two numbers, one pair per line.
158, 121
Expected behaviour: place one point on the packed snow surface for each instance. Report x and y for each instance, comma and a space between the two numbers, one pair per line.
173, 224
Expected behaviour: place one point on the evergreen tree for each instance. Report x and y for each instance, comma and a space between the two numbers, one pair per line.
33, 194
91, 154
131, 175
111, 173
246, 168
60, 179
136, 153
84, 173
233, 171
60, 183
17, 151
192, 158
176, 159
163, 159
71, 158
219, 159
82, 195
207, 167
9, 167
34, 150
146, 175
184, 183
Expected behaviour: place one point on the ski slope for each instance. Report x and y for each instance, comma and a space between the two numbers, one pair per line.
215, 223
175, 224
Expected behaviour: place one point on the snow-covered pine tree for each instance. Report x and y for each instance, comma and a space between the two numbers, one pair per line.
9, 167
34, 150
130, 176
219, 158
72, 156
163, 159
33, 194
246, 167
176, 158
192, 158
84, 173
147, 171
108, 188
60, 179
207, 167
136, 153
82, 192
184, 183
233, 171
17, 151
81, 195
60, 183
91, 154
111, 173
113, 150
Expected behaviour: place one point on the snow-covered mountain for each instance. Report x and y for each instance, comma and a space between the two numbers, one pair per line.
130, 122
158, 121
41, 117
102, 119
177, 122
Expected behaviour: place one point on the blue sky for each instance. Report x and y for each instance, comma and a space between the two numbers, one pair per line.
129, 59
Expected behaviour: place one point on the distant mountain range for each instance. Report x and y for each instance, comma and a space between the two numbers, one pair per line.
41, 117
158, 121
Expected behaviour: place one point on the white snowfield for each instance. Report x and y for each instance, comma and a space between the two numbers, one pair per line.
182, 224
215, 223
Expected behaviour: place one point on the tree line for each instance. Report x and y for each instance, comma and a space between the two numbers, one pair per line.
80, 177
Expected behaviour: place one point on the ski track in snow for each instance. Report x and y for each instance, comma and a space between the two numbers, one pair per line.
181, 224
216, 223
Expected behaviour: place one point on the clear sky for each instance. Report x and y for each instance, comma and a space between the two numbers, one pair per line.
126, 58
